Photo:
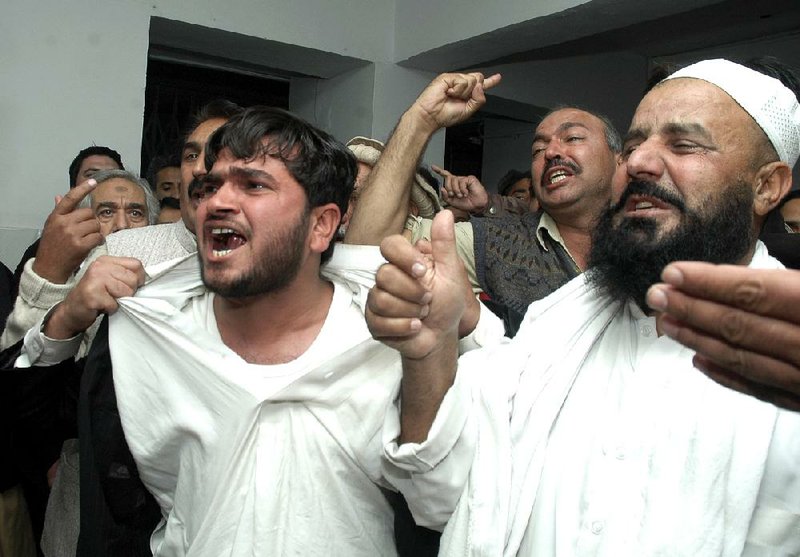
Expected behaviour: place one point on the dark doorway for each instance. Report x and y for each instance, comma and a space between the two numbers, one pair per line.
175, 91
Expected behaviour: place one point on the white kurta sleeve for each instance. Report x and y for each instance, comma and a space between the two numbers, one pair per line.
489, 330
431, 475
41, 350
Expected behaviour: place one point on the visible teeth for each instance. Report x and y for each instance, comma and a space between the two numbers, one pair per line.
643, 205
222, 231
221, 252
557, 176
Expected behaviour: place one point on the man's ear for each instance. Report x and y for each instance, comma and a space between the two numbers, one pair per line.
773, 182
323, 222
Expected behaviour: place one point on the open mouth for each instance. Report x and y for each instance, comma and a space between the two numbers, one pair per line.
558, 172
557, 176
642, 204
224, 241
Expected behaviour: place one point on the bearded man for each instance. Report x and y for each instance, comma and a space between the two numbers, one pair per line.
608, 441
249, 389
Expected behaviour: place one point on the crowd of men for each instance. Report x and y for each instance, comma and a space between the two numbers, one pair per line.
258, 377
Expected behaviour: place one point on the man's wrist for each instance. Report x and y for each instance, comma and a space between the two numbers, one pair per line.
419, 122
54, 274
57, 326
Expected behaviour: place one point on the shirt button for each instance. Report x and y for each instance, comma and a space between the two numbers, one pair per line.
597, 526
647, 330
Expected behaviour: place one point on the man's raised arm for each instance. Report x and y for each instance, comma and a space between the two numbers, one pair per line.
383, 205
415, 307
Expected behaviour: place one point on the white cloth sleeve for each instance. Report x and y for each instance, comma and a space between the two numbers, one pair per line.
36, 296
41, 350
489, 330
431, 475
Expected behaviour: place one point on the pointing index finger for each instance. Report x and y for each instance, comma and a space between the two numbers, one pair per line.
491, 81
440, 171
74, 196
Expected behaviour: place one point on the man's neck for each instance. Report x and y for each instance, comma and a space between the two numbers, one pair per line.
578, 240
576, 224
277, 327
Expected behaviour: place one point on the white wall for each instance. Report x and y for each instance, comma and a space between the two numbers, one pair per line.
74, 74
341, 105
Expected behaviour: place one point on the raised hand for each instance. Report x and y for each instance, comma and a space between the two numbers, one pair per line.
107, 279
415, 307
418, 299
451, 98
69, 234
463, 192
743, 323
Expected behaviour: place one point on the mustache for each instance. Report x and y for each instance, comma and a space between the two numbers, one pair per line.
560, 162
649, 189
195, 185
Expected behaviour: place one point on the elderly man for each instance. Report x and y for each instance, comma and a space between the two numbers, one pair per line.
105, 528
515, 259
120, 200
608, 441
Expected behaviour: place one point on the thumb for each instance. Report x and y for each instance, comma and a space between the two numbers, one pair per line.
443, 240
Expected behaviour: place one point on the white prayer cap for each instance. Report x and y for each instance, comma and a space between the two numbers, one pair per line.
772, 105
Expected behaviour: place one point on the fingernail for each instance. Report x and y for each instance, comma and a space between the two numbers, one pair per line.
92, 182
657, 298
426, 309
669, 326
415, 325
418, 269
426, 298
672, 275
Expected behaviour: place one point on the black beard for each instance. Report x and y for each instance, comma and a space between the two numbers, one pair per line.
272, 270
627, 258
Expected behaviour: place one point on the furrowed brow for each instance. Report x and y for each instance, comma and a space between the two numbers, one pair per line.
569, 125
250, 173
687, 129
635, 134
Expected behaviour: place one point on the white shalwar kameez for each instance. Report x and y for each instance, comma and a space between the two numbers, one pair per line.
587, 434
249, 459
254, 460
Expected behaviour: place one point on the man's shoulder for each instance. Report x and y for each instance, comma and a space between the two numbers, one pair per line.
152, 244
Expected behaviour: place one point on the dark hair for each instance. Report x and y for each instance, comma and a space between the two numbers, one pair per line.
323, 166
613, 138
159, 163
510, 178
218, 108
75, 165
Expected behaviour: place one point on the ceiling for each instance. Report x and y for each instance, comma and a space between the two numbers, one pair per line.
601, 26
